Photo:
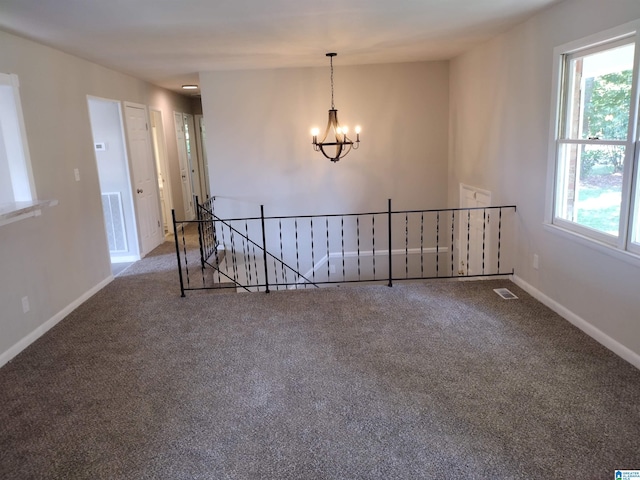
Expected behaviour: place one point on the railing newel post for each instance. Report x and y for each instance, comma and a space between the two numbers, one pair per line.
200, 233
390, 252
175, 235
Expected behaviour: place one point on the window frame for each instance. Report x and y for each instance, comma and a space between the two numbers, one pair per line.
621, 245
23, 202
20, 169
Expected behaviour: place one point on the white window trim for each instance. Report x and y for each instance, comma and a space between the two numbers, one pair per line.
26, 204
610, 245
13, 81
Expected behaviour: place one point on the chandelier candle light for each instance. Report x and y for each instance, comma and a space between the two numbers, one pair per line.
335, 133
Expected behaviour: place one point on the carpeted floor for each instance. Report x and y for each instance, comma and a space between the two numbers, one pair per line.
419, 381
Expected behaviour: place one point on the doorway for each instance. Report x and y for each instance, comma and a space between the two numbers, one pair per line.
474, 245
192, 156
185, 171
107, 129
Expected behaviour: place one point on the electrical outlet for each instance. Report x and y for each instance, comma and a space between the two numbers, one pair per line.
25, 304
536, 261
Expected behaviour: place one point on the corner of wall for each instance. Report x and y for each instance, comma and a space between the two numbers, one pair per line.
616, 347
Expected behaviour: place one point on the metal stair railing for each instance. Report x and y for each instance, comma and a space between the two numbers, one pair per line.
454, 243
209, 228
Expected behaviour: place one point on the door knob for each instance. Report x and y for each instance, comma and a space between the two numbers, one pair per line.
139, 190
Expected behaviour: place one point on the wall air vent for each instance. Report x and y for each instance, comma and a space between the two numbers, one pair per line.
505, 293
114, 221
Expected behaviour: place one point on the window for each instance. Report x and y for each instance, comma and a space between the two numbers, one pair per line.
596, 142
16, 183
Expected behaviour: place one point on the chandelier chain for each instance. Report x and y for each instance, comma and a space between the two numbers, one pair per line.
332, 104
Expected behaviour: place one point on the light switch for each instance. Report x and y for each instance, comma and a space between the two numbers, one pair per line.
77, 174
25, 304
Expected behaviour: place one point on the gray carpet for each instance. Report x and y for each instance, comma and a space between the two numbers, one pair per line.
419, 381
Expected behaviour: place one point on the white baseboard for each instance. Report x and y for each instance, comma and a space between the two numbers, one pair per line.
616, 347
125, 259
9, 354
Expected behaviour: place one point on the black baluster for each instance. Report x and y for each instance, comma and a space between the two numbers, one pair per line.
358, 239
215, 237
255, 263
373, 241
406, 245
215, 251
453, 227
186, 259
313, 260
234, 259
247, 255
264, 249
224, 242
284, 271
342, 238
484, 230
328, 254
275, 274
201, 233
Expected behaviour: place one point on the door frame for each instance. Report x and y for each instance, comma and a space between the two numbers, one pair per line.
134, 245
202, 154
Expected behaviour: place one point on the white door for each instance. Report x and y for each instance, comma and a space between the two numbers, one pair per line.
193, 156
474, 243
145, 182
185, 172
160, 153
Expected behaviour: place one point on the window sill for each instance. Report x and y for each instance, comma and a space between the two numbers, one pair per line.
16, 211
622, 255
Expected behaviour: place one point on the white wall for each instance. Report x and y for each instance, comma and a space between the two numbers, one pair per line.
500, 122
259, 143
59, 258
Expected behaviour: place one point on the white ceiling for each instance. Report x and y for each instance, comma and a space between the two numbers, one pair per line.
167, 42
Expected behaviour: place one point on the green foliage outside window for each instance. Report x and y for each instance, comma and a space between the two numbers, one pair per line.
606, 114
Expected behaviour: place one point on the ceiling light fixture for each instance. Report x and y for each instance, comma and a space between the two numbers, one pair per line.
335, 135
189, 87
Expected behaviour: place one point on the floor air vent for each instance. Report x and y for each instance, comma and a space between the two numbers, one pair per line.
505, 293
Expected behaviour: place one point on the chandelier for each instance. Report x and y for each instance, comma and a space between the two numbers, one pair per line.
335, 135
